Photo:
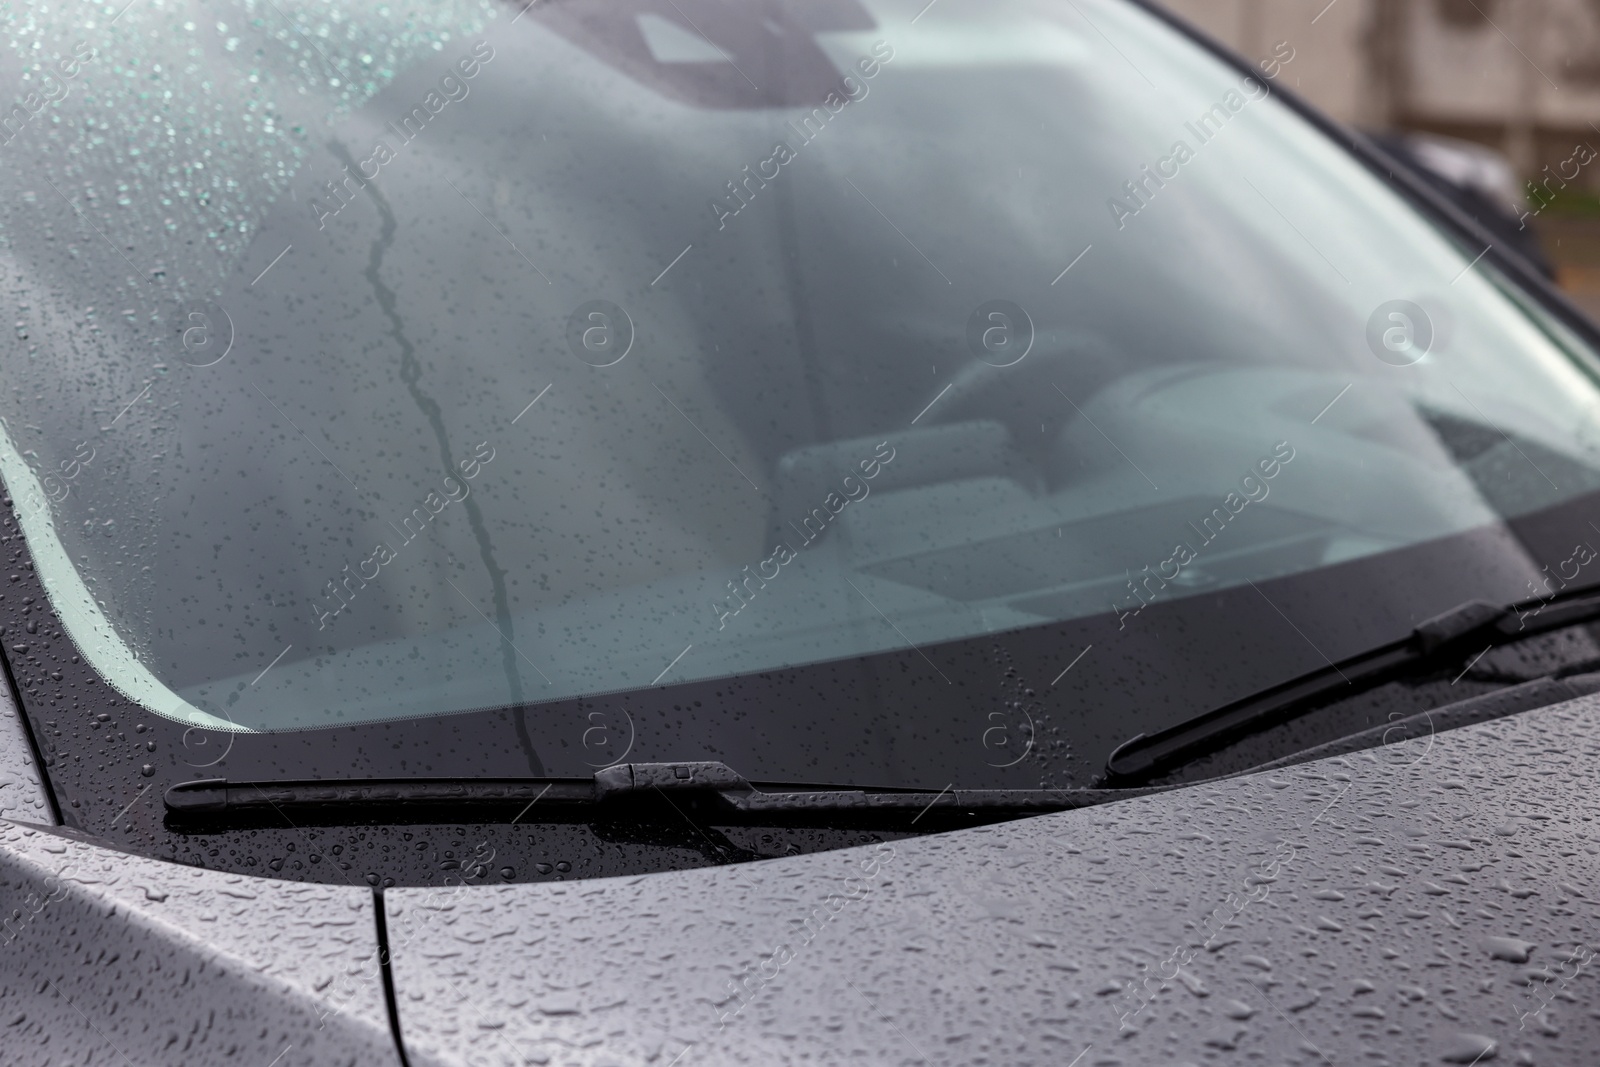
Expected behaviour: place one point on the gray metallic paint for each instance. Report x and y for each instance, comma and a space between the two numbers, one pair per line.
22, 795
1371, 907
114, 959
1383, 899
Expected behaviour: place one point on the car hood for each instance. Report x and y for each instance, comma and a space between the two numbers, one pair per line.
1431, 901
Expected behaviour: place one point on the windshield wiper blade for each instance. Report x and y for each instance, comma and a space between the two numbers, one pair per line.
217, 796
220, 797
707, 789
1147, 756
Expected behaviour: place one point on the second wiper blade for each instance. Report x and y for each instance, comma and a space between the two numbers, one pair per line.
1147, 756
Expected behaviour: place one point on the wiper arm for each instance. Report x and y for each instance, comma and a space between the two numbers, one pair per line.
1466, 627
708, 790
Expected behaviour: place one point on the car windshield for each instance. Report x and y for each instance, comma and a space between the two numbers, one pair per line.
372, 368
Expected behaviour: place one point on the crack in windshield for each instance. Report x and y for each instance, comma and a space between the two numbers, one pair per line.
411, 374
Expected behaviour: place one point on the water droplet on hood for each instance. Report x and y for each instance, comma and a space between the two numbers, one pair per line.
1510, 949
1470, 1048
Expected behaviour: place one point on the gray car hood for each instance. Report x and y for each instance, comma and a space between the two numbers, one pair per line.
1432, 901
1426, 902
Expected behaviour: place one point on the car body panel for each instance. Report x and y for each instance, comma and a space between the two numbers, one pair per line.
113, 958
22, 791
1387, 906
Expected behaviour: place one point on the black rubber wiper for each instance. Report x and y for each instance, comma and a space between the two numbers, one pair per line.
1469, 628
707, 790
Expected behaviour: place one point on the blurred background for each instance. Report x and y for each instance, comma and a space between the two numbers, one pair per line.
1497, 102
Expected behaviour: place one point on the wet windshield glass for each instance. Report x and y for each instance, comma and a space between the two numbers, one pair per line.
366, 369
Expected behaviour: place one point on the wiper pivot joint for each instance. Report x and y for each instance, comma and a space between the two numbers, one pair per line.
627, 778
